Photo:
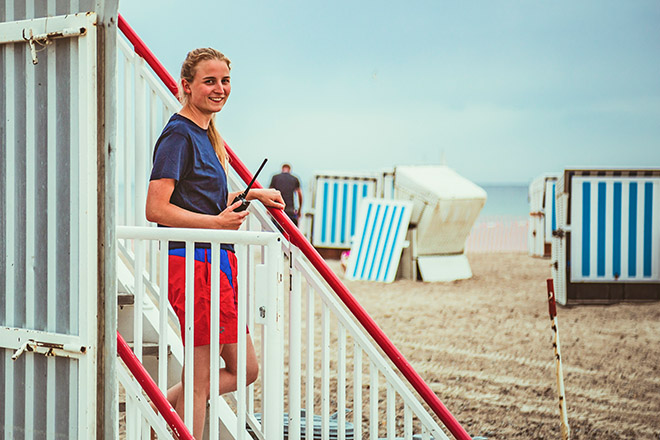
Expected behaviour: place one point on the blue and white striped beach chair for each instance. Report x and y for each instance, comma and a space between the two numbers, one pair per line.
616, 229
380, 234
607, 245
336, 205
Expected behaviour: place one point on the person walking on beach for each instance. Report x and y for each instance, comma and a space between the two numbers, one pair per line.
288, 185
188, 189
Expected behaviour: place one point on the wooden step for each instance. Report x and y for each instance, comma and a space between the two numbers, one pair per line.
125, 299
150, 348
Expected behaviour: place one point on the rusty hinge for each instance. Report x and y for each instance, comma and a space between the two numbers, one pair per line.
44, 40
48, 349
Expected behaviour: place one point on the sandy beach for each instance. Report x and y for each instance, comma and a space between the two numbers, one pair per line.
485, 347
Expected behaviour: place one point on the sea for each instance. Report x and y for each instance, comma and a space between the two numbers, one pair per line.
502, 224
505, 202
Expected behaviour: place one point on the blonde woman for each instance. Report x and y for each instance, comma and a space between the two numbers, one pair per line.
188, 189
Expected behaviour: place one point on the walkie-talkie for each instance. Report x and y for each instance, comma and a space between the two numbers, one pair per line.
242, 197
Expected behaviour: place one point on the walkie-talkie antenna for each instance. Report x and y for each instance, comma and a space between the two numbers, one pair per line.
254, 178
243, 197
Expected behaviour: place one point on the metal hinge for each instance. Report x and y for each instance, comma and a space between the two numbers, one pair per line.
40, 32
46, 39
48, 349
561, 232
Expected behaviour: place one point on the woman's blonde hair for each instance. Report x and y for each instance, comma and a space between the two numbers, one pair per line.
188, 71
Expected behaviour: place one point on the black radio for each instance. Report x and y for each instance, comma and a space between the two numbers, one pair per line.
243, 196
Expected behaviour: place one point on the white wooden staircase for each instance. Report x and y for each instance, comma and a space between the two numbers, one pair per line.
320, 355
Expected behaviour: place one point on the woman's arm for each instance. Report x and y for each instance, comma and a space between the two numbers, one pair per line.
271, 198
160, 210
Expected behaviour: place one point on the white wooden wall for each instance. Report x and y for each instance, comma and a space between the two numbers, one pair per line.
48, 220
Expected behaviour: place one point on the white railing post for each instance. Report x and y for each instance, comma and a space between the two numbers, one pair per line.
309, 383
141, 175
244, 270
373, 401
407, 423
325, 372
390, 402
214, 364
273, 395
162, 316
138, 302
341, 384
189, 332
245, 296
247, 279
295, 348
128, 140
357, 391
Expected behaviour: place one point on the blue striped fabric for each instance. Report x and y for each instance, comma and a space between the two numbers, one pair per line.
324, 213
553, 208
550, 210
616, 229
648, 233
615, 232
380, 233
354, 208
586, 228
337, 202
343, 210
334, 209
600, 253
632, 231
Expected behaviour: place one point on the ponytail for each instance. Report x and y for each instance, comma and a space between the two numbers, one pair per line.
218, 144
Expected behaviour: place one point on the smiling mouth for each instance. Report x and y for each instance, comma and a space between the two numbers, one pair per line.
217, 99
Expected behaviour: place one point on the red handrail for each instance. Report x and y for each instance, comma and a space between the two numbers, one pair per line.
135, 366
340, 289
358, 311
142, 50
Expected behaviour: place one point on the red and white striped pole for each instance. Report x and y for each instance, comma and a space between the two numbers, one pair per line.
565, 429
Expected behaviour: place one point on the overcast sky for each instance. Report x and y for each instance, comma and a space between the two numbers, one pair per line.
506, 89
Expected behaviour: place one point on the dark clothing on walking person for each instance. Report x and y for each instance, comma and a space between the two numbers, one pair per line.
288, 184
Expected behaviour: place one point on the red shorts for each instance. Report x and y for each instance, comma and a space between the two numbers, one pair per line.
202, 279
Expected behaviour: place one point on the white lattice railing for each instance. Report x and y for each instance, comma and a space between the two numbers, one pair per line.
332, 366
259, 287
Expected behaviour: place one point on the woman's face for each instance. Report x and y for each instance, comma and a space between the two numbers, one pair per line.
210, 87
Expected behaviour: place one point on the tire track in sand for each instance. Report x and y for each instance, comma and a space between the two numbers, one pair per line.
598, 396
504, 357
606, 418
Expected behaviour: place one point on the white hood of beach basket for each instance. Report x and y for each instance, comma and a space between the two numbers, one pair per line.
445, 206
437, 182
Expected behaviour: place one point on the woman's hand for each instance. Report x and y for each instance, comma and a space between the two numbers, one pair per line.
230, 219
269, 197
160, 210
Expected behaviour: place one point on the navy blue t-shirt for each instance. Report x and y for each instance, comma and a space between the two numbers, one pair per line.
184, 153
